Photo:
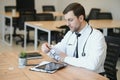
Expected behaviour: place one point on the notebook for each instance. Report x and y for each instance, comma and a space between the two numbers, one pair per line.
34, 55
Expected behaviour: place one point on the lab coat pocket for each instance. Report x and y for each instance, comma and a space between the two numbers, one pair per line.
71, 46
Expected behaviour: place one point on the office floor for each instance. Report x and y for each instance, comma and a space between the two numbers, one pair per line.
17, 48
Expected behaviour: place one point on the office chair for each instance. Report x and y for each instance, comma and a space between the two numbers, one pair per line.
62, 33
113, 52
26, 16
64, 27
93, 14
9, 8
45, 17
47, 8
105, 16
27, 11
15, 22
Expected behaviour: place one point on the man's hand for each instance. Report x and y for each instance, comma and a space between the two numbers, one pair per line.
62, 56
45, 47
57, 55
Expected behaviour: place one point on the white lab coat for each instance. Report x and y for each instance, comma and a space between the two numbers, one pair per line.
95, 49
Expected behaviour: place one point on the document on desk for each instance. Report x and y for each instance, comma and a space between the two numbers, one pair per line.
48, 67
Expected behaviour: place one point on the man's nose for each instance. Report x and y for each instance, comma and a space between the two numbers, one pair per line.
67, 23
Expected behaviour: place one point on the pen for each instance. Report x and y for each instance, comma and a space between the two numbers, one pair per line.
48, 46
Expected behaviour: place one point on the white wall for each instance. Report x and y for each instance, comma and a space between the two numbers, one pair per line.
1, 10
39, 3
105, 5
9, 2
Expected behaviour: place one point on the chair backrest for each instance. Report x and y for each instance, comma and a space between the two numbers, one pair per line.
93, 13
23, 18
48, 8
44, 17
9, 8
113, 52
105, 15
64, 27
27, 11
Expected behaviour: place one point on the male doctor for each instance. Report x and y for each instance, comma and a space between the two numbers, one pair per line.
82, 46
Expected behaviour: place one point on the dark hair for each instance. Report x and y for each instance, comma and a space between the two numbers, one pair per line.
77, 9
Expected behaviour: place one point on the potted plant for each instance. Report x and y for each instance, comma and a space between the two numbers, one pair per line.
22, 59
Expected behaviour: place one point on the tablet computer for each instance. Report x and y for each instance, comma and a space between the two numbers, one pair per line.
49, 67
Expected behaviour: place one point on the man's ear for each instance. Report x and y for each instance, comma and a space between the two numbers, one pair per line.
81, 17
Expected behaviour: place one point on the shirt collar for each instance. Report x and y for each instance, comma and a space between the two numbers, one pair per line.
84, 29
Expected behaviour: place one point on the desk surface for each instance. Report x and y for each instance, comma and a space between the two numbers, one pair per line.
48, 25
9, 70
105, 23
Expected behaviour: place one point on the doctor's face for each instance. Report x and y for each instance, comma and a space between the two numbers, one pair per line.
73, 21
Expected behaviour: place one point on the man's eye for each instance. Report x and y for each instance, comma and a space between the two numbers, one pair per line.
70, 20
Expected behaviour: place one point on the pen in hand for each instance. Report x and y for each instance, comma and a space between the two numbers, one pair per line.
48, 46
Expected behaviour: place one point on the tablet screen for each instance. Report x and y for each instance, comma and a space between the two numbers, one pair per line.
51, 66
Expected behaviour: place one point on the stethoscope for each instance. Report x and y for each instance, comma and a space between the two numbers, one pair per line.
83, 52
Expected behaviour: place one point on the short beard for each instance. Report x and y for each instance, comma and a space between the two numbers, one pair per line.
77, 29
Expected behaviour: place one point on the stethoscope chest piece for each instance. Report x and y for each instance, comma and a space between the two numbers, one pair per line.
83, 54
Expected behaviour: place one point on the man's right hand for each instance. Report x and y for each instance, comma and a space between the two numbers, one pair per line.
45, 47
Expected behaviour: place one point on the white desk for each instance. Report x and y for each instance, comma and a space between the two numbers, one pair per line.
16, 15
46, 26
9, 16
105, 24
